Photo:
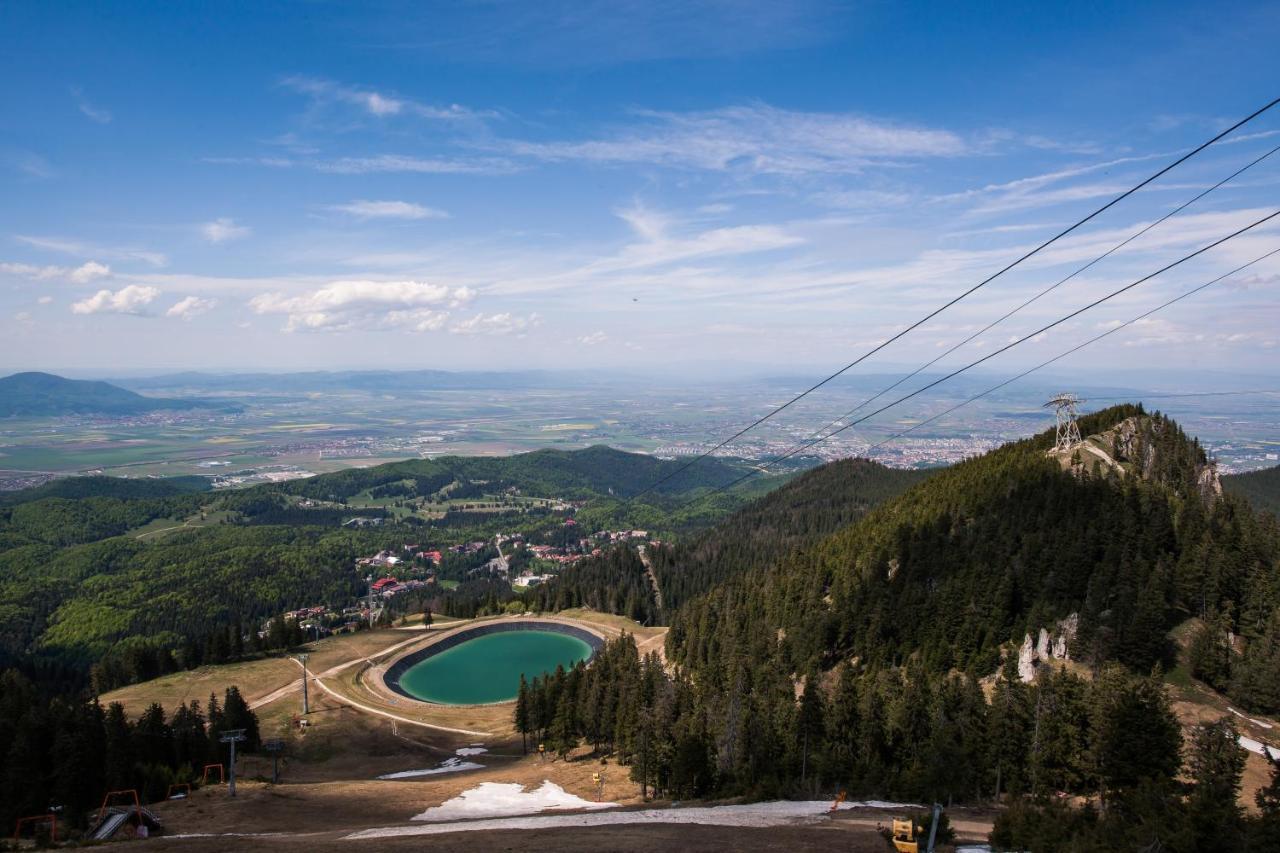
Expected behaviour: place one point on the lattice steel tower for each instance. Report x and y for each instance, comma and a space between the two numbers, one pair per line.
1064, 406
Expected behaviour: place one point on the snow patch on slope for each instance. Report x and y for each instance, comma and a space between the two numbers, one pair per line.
754, 815
1260, 748
498, 799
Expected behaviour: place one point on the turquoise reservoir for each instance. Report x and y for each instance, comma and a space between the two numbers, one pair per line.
488, 668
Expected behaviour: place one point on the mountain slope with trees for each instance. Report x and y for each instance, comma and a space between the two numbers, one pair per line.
45, 395
882, 658
801, 512
78, 584
1259, 488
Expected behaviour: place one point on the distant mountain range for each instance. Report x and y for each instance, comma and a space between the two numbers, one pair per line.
363, 380
44, 394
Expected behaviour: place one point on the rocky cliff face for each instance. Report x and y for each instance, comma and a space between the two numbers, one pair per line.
1047, 646
1140, 446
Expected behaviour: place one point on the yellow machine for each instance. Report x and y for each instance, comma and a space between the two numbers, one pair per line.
904, 836
906, 833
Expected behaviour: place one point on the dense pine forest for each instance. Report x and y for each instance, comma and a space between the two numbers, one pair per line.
880, 658
1259, 488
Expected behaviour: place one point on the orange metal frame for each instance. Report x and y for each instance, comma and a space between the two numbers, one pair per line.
53, 825
137, 804
222, 774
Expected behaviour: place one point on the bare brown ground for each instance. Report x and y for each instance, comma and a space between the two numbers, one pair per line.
832, 836
329, 789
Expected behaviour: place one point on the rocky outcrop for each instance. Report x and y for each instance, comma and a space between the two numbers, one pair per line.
1131, 448
1047, 646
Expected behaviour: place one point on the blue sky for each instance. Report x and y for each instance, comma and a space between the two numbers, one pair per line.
651, 185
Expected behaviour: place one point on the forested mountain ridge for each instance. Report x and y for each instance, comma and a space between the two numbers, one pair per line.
44, 394
82, 574
570, 474
1003, 544
882, 659
809, 507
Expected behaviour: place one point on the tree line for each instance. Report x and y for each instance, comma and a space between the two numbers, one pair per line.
912, 733
60, 754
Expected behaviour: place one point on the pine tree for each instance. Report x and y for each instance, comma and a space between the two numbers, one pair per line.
236, 715
1216, 765
1136, 737
1209, 655
809, 723
118, 743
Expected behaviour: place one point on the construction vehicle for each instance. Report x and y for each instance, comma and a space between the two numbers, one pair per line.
906, 833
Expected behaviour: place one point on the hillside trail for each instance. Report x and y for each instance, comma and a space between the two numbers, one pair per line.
653, 579
295, 685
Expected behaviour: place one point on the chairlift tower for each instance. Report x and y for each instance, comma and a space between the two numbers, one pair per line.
1068, 432
232, 737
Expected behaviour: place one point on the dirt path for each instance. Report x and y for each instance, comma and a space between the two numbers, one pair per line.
346, 700
295, 686
653, 579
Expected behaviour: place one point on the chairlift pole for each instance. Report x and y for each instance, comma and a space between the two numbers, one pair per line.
233, 736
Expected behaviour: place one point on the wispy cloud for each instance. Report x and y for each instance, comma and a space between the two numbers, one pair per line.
132, 299
75, 247
29, 163
659, 245
82, 274
364, 209
223, 229
97, 114
379, 164
756, 138
372, 102
421, 165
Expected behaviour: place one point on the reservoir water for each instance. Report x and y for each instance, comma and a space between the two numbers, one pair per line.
488, 668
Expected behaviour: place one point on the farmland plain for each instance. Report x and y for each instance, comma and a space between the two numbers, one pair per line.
288, 432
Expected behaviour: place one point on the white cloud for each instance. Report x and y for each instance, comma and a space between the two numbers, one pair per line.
23, 317
345, 305
44, 300
82, 274
593, 339
189, 307
494, 324
375, 103
421, 165
223, 229
31, 271
88, 271
365, 209
658, 246
756, 138
132, 299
